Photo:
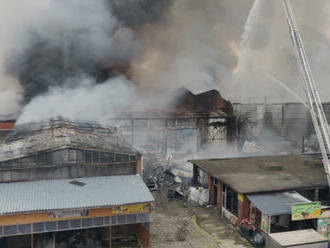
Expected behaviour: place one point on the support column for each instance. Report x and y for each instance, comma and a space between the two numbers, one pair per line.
32, 241
139, 164
316, 194
54, 240
211, 190
110, 236
195, 175
243, 208
143, 232
219, 197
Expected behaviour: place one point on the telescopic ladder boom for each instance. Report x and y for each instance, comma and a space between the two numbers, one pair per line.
313, 98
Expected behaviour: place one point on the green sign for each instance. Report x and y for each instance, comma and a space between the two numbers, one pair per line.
306, 211
322, 227
265, 223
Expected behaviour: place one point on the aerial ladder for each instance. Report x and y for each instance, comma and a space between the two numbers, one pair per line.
313, 98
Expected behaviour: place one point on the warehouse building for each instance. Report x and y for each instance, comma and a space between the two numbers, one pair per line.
61, 180
264, 191
192, 123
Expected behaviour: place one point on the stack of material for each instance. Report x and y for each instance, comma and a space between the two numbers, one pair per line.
198, 197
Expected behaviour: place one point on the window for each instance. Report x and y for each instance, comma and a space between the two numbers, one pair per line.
88, 157
96, 157
230, 200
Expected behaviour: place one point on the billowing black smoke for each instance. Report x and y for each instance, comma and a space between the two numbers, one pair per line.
138, 12
94, 38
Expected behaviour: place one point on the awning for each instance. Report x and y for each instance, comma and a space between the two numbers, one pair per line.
276, 203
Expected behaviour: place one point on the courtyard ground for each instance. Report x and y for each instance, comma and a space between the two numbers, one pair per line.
173, 226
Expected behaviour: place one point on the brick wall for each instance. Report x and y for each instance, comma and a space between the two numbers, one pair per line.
243, 209
6, 125
142, 232
219, 196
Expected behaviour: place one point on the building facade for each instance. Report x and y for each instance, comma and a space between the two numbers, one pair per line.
192, 123
60, 180
262, 190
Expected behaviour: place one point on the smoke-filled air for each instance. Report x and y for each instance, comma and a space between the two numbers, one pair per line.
91, 59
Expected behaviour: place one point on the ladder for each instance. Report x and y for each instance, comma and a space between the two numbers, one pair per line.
313, 98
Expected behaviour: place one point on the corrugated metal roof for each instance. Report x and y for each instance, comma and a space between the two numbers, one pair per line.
61, 194
276, 203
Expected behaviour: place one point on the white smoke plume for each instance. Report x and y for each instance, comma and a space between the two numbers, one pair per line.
86, 102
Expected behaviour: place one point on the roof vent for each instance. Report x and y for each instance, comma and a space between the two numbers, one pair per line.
78, 183
271, 167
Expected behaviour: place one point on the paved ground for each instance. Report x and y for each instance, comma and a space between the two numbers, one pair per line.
172, 226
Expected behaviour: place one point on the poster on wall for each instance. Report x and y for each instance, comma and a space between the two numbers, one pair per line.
306, 211
322, 227
265, 223
128, 209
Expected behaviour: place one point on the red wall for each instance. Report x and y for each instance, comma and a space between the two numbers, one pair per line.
243, 209
6, 125
219, 196
143, 234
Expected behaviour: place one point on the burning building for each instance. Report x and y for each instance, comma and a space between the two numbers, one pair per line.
61, 179
189, 125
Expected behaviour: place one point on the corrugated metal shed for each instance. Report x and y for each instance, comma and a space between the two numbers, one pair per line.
276, 203
72, 194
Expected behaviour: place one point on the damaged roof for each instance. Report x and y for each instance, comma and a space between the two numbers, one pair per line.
28, 139
185, 104
171, 114
266, 173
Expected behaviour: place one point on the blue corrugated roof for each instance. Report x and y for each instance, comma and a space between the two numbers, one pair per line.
61, 194
276, 203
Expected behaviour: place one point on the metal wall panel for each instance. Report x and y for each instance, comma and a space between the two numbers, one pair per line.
65, 225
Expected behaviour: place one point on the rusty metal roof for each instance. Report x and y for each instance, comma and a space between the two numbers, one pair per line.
266, 173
